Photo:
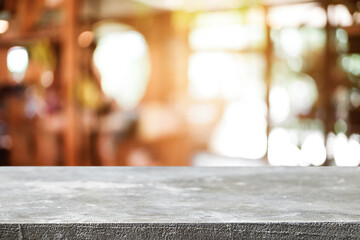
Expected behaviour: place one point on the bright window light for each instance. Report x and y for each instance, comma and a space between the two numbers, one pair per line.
308, 14
205, 72
123, 62
228, 30
241, 132
217, 70
282, 150
227, 75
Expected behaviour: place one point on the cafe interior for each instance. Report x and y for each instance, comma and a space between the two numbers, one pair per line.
179, 83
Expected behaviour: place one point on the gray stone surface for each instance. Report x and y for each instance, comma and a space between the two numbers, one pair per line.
179, 203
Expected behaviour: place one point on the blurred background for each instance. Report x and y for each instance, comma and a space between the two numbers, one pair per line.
179, 82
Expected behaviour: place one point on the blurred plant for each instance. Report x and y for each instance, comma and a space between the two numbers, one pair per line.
88, 93
43, 54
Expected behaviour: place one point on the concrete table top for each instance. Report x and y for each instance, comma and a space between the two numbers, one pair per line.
179, 202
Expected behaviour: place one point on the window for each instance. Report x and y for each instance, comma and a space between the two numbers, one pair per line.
228, 63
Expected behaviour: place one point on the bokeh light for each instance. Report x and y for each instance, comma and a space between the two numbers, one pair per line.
313, 150
47, 78
250, 81
17, 62
351, 64
339, 15
291, 41
4, 26
85, 39
346, 151
279, 104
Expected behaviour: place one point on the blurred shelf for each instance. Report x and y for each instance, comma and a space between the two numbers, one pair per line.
11, 39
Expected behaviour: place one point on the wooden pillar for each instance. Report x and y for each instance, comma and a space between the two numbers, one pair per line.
327, 79
69, 77
268, 54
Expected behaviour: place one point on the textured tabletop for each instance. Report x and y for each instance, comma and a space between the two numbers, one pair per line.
179, 200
